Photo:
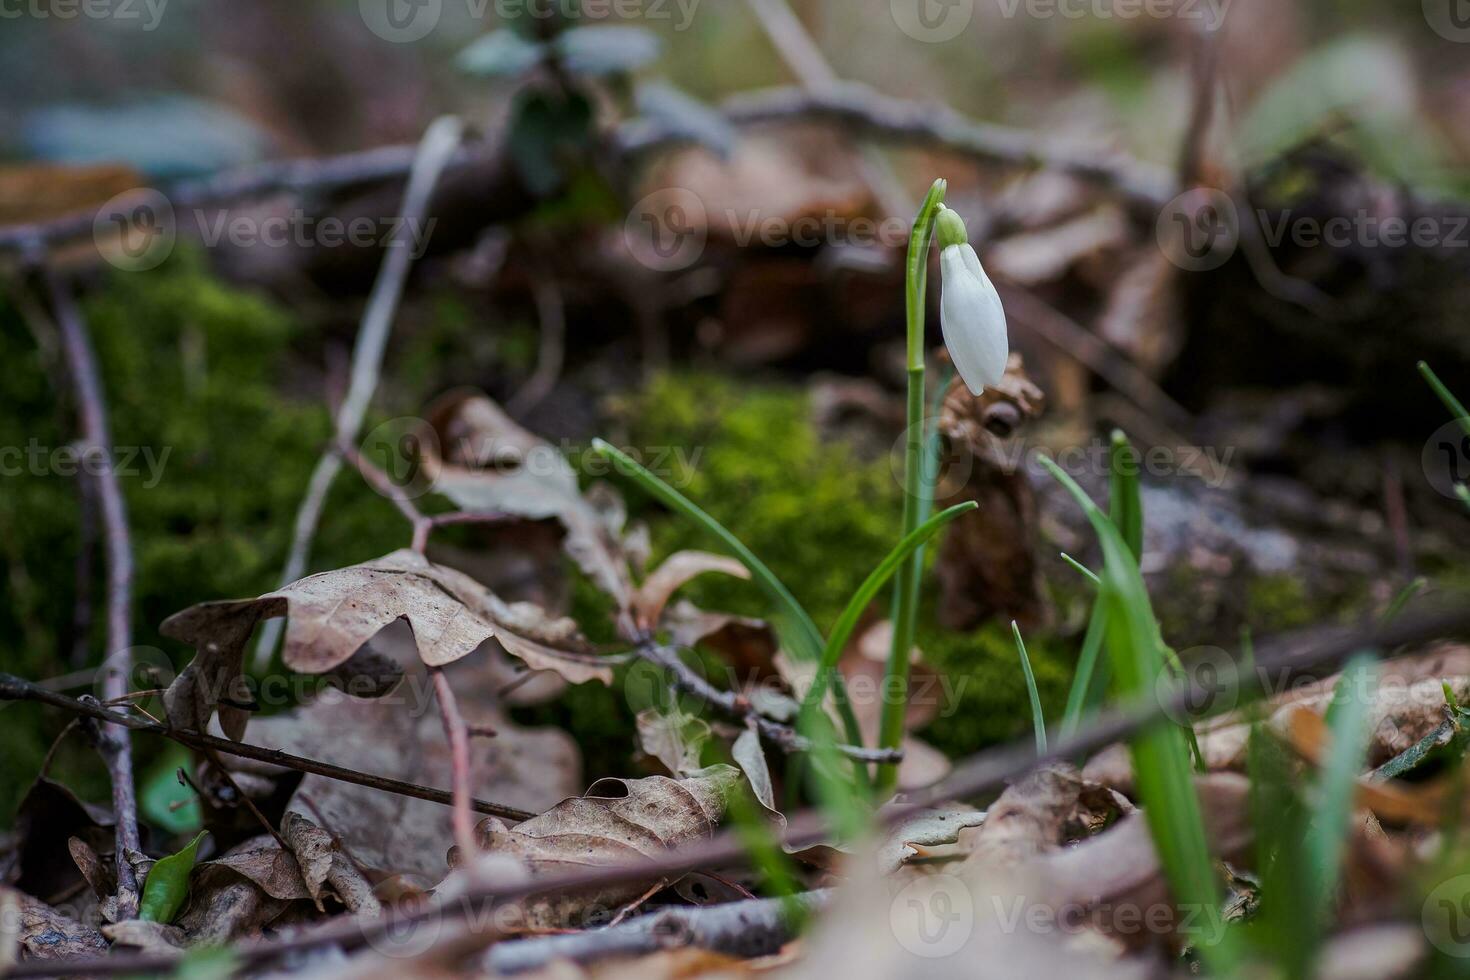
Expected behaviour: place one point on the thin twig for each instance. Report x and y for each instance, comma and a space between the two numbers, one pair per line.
733, 704
13, 688
434, 153
849, 104
1289, 656
754, 927
97, 444
459, 750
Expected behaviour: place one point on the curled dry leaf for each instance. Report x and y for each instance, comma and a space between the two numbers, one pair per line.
669, 577
332, 615
907, 839
617, 821
483, 461
314, 850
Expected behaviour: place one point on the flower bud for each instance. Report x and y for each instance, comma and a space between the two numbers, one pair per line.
970, 311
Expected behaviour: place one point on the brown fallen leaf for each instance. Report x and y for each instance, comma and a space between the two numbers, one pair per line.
617, 821
332, 615
482, 460
41, 932
1040, 813
676, 570
149, 937
402, 737
313, 849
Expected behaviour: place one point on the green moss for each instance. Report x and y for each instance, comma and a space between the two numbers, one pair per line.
821, 517
193, 373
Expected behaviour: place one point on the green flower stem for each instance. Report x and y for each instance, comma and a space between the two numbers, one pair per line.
847, 622
803, 637
906, 585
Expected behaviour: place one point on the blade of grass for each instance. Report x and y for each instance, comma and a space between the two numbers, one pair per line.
1446, 396
1405, 596
868, 591
1086, 572
1160, 755
811, 722
1125, 509
1327, 837
1038, 721
802, 635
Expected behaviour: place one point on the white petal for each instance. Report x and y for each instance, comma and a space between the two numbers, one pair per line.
972, 318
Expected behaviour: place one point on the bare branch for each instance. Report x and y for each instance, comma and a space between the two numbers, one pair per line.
459, 748
749, 928
988, 771
434, 153
13, 688
97, 445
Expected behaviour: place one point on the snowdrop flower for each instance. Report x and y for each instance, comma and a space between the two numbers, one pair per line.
970, 313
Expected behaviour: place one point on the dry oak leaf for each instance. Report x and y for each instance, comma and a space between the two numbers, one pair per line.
482, 460
617, 821
333, 614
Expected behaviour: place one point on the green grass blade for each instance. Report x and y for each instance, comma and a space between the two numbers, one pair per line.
1038, 720
1086, 572
1326, 842
1125, 505
1446, 396
1125, 500
1405, 596
803, 637
842, 630
1080, 698
1161, 762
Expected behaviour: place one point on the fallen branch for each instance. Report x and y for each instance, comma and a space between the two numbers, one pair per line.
745, 929
1293, 655
13, 688
848, 104
96, 442
934, 124
458, 737
433, 155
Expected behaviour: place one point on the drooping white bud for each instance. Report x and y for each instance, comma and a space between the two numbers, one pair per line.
970, 311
